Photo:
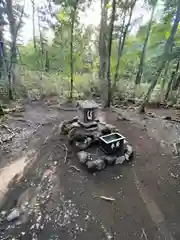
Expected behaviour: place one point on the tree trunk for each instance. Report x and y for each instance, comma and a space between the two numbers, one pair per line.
121, 44
47, 62
41, 46
10, 87
1, 110
176, 81
103, 49
167, 50
141, 64
1, 54
170, 83
163, 82
13, 32
33, 23
119, 52
73, 17
108, 104
169, 86
178, 87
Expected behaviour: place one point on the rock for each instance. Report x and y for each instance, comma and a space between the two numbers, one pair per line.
3, 213
13, 215
83, 156
98, 164
129, 149
111, 127
88, 125
110, 160
71, 135
74, 119
152, 114
109, 237
63, 127
37, 226
7, 137
124, 107
80, 137
42, 227
128, 152
55, 163
75, 125
167, 118
106, 130
176, 148
122, 118
126, 156
32, 227
162, 144
39, 219
84, 145
120, 160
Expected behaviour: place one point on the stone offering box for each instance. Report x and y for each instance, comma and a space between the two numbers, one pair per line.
112, 143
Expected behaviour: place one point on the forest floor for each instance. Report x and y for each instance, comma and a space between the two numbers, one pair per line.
58, 202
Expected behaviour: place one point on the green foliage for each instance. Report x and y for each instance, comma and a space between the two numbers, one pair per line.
86, 56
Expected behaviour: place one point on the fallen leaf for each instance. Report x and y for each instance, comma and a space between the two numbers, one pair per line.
74, 167
174, 176
107, 198
176, 152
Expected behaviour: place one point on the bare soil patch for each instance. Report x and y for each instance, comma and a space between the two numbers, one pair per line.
58, 202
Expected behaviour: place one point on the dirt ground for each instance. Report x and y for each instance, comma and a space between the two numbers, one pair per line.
58, 202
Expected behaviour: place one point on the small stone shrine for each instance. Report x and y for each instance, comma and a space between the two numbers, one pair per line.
96, 143
89, 109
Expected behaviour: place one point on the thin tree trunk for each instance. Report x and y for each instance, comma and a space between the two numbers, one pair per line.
169, 86
1, 66
167, 50
178, 87
13, 32
41, 47
47, 62
141, 64
10, 87
13, 28
33, 23
5, 66
163, 82
122, 43
170, 83
1, 54
119, 52
103, 49
176, 81
73, 17
3, 63
109, 52
1, 111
